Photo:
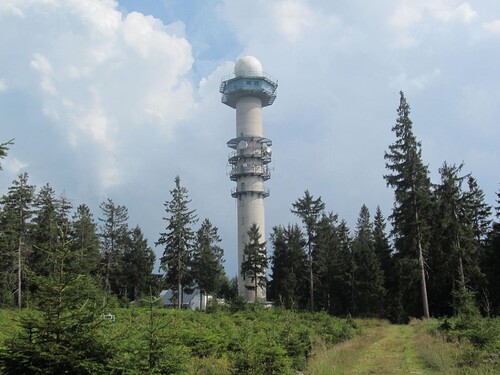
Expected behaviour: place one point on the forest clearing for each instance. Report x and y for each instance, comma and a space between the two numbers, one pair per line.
253, 341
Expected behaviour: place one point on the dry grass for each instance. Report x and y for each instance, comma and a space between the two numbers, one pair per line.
445, 357
435, 351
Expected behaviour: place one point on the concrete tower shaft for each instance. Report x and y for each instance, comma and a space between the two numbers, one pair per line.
247, 91
249, 117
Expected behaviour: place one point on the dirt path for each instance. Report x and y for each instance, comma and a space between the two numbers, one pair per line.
387, 349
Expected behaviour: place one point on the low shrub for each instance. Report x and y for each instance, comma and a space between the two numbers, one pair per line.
476, 338
254, 340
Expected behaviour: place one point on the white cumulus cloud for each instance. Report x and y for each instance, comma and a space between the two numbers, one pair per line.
102, 76
413, 20
292, 18
492, 27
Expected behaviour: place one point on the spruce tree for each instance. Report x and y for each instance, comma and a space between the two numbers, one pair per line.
178, 241
46, 225
281, 282
309, 210
15, 247
8, 250
114, 234
409, 178
207, 266
342, 273
478, 210
325, 253
62, 336
382, 244
455, 261
254, 263
85, 241
491, 262
289, 267
138, 260
369, 291
383, 250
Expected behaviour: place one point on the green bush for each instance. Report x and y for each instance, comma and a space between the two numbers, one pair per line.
477, 337
254, 340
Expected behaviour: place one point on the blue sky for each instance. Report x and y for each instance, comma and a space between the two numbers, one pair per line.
115, 98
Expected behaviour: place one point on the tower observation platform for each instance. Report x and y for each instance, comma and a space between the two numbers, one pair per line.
248, 90
235, 86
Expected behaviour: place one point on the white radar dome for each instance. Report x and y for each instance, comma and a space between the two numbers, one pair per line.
248, 65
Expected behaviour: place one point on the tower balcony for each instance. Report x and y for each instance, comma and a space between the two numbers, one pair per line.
238, 191
236, 156
260, 85
250, 170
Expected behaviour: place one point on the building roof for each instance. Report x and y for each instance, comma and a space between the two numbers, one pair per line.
168, 297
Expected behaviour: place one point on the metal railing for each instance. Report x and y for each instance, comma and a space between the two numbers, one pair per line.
250, 74
249, 153
259, 170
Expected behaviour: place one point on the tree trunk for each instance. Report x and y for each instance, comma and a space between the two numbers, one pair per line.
179, 284
19, 275
462, 273
179, 295
311, 280
107, 285
460, 262
425, 301
256, 285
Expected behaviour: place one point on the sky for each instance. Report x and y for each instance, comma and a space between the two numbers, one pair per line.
113, 99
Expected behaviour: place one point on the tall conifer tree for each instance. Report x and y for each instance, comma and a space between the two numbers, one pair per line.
369, 291
138, 261
15, 244
491, 262
47, 222
208, 267
384, 253
343, 270
178, 240
85, 241
309, 210
254, 264
455, 261
325, 253
409, 178
289, 267
113, 232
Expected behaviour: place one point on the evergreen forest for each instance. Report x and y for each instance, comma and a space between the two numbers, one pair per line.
437, 255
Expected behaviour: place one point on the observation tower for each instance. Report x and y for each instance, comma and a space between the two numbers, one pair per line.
248, 90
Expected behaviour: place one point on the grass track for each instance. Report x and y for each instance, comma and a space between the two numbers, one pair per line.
386, 349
